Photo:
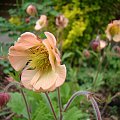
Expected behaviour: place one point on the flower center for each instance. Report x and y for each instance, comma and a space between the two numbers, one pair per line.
39, 58
41, 23
115, 30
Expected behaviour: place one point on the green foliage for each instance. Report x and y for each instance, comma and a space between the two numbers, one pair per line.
42, 112
75, 114
17, 104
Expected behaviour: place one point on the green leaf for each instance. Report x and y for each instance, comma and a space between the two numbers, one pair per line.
17, 104
42, 112
67, 55
75, 114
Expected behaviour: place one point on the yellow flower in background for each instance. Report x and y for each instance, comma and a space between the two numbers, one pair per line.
15, 20
40, 61
113, 31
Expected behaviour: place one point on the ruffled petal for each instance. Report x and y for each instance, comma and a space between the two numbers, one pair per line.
57, 56
61, 71
27, 40
51, 39
28, 76
38, 27
116, 38
102, 44
51, 54
18, 62
46, 81
17, 51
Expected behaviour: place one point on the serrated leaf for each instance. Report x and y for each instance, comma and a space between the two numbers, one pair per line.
17, 104
42, 112
75, 114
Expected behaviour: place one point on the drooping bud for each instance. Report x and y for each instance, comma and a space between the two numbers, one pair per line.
31, 10
116, 49
27, 20
61, 21
113, 31
86, 53
95, 45
4, 98
98, 44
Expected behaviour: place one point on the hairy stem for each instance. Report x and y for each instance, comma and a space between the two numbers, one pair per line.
59, 102
51, 106
89, 95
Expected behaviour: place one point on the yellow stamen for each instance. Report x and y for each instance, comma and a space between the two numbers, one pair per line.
39, 58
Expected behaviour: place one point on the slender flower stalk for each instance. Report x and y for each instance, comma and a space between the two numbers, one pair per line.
90, 98
26, 104
96, 109
51, 106
73, 97
98, 69
59, 102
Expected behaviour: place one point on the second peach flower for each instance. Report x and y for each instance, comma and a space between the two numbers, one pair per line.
41, 23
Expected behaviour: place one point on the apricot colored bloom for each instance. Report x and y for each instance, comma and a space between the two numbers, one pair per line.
31, 10
113, 31
42, 22
40, 61
61, 21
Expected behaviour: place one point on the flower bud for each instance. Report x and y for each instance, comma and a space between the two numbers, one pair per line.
86, 53
116, 49
113, 31
31, 10
95, 44
4, 98
27, 20
61, 21
98, 45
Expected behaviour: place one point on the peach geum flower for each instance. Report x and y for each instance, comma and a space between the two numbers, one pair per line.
39, 61
113, 31
42, 22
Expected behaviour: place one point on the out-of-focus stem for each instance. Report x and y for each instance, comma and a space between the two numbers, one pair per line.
73, 97
59, 102
51, 106
90, 97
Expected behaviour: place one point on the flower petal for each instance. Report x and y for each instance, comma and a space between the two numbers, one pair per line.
46, 81
102, 44
27, 76
17, 51
51, 39
18, 62
61, 71
38, 27
116, 38
27, 40
51, 55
